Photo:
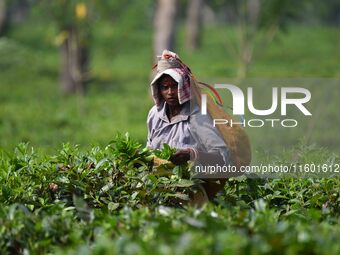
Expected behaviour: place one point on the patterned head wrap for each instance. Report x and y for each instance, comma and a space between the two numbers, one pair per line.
170, 64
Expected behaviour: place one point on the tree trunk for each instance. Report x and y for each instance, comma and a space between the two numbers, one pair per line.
73, 59
248, 35
19, 11
164, 26
194, 24
3, 15
253, 7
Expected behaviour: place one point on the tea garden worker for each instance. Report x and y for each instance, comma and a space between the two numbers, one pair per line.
176, 120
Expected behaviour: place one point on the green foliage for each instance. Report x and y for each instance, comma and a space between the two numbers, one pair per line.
166, 152
68, 13
121, 174
111, 200
280, 13
32, 109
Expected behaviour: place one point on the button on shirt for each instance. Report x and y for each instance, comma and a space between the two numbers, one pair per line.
188, 129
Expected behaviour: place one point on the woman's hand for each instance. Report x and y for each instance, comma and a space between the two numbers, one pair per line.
181, 156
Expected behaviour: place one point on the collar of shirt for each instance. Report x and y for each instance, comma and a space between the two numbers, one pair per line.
182, 116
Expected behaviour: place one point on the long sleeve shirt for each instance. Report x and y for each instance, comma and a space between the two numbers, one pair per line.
188, 129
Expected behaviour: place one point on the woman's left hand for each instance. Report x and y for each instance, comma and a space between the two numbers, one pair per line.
181, 156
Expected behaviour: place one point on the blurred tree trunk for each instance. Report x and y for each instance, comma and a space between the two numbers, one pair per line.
19, 11
164, 25
249, 27
74, 58
194, 24
3, 15
253, 7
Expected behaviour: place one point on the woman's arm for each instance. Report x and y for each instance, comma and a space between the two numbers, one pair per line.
211, 185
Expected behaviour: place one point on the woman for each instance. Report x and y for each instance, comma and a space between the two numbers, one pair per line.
176, 120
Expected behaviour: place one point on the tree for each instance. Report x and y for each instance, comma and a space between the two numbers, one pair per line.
248, 26
3, 15
11, 12
18, 10
75, 21
194, 24
74, 62
164, 24
72, 19
257, 22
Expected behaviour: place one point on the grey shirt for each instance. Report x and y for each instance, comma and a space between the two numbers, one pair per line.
188, 129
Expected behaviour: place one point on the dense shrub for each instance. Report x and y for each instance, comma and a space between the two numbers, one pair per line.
113, 200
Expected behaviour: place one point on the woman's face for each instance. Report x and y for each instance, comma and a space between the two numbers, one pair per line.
168, 88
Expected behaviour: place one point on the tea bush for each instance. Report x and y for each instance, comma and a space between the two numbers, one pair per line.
113, 200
